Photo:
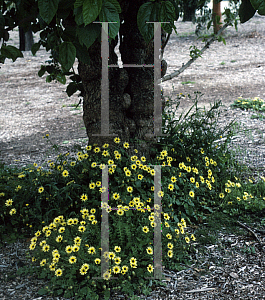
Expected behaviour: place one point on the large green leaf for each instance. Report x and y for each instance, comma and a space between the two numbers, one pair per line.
176, 6
259, 5
11, 52
35, 47
148, 12
91, 9
48, 9
82, 54
246, 11
67, 54
88, 34
116, 4
78, 3
110, 14
167, 14
78, 13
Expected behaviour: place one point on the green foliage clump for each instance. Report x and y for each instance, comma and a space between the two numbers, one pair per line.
62, 206
244, 198
256, 104
67, 249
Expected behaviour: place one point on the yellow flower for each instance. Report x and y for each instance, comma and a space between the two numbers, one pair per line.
191, 193
81, 228
97, 261
145, 229
41, 189
83, 197
129, 189
58, 272
169, 236
149, 250
92, 185
59, 238
43, 262
133, 260
72, 259
32, 246
46, 248
117, 248
193, 237
68, 249
150, 268
221, 195
170, 253
170, 245
106, 275
65, 173
187, 239
9, 202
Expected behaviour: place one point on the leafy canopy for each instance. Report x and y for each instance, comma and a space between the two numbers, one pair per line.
67, 28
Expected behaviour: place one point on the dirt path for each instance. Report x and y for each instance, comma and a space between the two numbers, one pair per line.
30, 107
224, 72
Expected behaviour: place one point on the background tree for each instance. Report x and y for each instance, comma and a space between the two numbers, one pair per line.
188, 9
26, 40
66, 28
217, 15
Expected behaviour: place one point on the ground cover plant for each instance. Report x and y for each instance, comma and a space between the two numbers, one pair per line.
61, 208
255, 104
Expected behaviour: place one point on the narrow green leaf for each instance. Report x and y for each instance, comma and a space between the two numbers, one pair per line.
67, 54
109, 14
148, 12
259, 5
48, 9
11, 52
91, 9
246, 11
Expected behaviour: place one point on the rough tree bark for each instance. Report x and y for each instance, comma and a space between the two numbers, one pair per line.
131, 90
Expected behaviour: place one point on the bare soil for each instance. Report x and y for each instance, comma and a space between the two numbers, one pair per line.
30, 107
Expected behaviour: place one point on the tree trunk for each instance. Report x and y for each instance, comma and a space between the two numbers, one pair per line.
131, 89
189, 14
25, 39
216, 12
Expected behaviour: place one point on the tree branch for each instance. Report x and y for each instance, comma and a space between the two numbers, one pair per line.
251, 231
184, 67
